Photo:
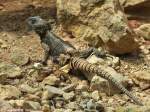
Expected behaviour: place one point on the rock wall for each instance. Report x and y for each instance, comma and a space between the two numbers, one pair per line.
101, 22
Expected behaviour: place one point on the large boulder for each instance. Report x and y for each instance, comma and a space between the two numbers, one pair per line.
100, 22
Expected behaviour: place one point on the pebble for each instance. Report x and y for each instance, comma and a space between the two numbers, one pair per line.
19, 57
27, 89
69, 96
32, 105
82, 86
72, 105
17, 103
95, 95
12, 71
51, 80
9, 92
53, 90
142, 78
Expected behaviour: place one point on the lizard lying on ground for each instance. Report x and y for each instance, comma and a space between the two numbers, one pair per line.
55, 46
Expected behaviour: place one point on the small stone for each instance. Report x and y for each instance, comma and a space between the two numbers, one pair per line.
19, 57
144, 31
95, 95
90, 104
53, 90
146, 51
3, 44
32, 97
69, 96
17, 103
133, 108
32, 105
86, 94
1, 7
51, 80
10, 70
9, 92
69, 88
46, 95
46, 108
3, 77
27, 89
4, 106
142, 78
72, 105
82, 86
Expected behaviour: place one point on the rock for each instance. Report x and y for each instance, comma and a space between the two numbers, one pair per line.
144, 31
46, 95
69, 96
86, 95
3, 44
95, 95
100, 23
19, 57
4, 106
53, 90
10, 70
27, 89
72, 105
68, 88
46, 108
1, 7
91, 106
51, 80
17, 103
32, 105
32, 97
63, 110
132, 108
134, 24
144, 50
110, 109
9, 92
82, 86
109, 60
142, 78
3, 77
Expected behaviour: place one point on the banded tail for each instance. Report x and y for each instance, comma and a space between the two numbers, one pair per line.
78, 63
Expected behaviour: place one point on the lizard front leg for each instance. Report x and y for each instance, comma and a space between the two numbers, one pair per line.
86, 53
46, 53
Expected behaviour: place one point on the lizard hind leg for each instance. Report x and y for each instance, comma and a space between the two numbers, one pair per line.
92, 51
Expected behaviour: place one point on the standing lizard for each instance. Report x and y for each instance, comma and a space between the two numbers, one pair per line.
55, 46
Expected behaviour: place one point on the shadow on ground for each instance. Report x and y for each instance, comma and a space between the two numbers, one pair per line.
16, 20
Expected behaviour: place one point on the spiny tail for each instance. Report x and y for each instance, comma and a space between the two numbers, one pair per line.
81, 64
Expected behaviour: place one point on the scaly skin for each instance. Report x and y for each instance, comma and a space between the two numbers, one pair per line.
55, 46
52, 44
83, 65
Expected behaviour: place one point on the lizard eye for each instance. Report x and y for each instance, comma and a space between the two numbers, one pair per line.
33, 21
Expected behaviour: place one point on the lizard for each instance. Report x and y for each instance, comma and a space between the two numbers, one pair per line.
55, 47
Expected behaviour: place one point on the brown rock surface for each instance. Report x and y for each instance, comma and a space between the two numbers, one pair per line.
99, 22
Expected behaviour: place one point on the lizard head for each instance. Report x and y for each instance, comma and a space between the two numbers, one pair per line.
39, 25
